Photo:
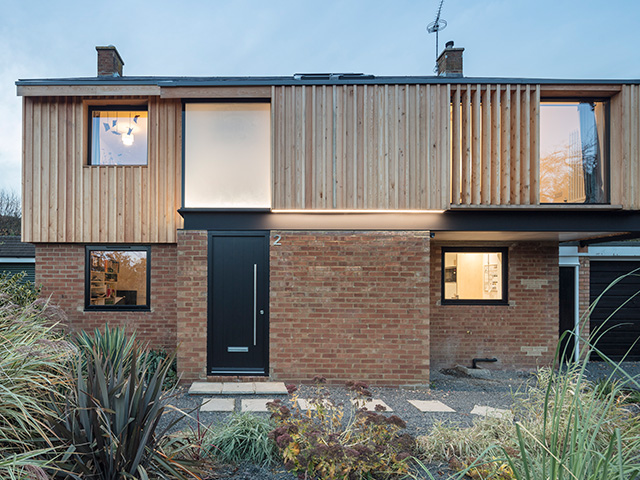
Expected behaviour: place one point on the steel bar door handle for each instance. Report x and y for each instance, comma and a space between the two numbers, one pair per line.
255, 300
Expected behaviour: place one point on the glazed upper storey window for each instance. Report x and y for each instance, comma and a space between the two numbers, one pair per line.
118, 135
574, 152
227, 155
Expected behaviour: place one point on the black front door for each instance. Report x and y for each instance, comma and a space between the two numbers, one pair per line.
237, 336
567, 311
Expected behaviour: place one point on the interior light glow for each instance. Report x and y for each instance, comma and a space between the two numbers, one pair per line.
330, 211
127, 139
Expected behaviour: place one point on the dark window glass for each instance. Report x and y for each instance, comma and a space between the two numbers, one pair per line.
118, 278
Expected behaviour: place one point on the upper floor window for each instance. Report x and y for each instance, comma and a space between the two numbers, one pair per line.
227, 155
574, 152
118, 135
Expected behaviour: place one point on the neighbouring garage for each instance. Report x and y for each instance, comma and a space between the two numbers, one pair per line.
617, 313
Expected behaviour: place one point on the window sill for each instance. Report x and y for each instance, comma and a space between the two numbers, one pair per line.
542, 206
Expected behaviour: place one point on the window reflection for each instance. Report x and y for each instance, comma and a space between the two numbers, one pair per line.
118, 137
118, 277
573, 148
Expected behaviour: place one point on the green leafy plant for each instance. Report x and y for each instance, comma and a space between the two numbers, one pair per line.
111, 416
566, 428
33, 355
323, 443
15, 291
154, 359
243, 437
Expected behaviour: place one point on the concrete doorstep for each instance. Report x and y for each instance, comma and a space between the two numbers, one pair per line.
237, 388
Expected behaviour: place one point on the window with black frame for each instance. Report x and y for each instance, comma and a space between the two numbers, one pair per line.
574, 152
117, 278
472, 275
118, 135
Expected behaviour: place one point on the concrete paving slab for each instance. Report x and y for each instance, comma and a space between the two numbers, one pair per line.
205, 388
218, 405
430, 406
270, 388
305, 404
371, 404
492, 412
238, 388
255, 404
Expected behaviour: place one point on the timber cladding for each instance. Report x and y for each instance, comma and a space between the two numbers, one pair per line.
350, 306
66, 200
361, 147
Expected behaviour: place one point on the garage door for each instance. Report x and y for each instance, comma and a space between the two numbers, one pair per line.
626, 320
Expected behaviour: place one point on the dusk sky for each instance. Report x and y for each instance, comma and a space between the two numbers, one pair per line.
502, 38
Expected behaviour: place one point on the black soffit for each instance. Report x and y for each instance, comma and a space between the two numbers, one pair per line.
498, 221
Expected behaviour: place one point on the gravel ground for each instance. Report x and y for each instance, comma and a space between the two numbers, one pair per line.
461, 394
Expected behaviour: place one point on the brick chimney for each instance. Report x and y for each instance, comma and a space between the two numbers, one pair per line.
109, 62
450, 61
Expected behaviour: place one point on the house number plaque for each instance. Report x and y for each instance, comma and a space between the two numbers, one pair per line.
277, 239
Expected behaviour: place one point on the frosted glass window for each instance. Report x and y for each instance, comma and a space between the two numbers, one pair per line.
227, 155
474, 276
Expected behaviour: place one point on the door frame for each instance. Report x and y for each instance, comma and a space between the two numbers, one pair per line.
266, 234
566, 259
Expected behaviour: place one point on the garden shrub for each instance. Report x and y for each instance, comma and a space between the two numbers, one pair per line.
323, 443
33, 357
565, 429
109, 421
243, 437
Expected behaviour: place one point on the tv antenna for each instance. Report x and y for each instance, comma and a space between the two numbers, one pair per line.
435, 26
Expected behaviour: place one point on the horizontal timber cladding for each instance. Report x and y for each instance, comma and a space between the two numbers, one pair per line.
380, 147
625, 148
66, 200
495, 144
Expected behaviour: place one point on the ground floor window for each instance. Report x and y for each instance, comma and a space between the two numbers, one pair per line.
474, 275
117, 278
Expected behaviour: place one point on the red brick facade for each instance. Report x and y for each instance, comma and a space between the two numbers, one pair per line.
192, 304
346, 305
350, 306
522, 334
60, 269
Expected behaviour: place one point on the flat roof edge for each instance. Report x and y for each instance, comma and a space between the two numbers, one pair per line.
168, 82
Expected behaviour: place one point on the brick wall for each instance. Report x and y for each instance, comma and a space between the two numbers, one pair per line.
584, 295
522, 334
60, 268
350, 306
192, 304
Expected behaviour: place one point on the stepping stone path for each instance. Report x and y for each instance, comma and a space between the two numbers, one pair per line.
430, 406
492, 412
371, 405
228, 404
218, 405
255, 404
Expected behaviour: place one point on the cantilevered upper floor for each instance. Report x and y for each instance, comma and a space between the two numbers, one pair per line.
119, 159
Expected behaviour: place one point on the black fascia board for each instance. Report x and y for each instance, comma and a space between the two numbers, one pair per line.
478, 221
284, 81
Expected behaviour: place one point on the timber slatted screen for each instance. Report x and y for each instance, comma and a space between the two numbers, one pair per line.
625, 148
361, 147
495, 144
70, 201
